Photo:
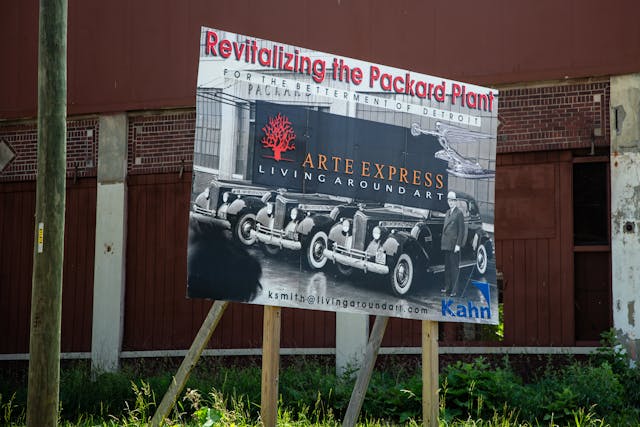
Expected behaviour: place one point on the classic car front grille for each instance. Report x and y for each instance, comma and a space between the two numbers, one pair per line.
269, 232
359, 230
202, 211
351, 253
214, 192
280, 213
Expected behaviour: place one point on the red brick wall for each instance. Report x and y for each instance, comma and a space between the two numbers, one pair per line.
553, 117
161, 142
82, 149
557, 117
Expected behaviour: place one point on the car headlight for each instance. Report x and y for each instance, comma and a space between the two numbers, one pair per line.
294, 214
225, 197
376, 233
269, 209
346, 225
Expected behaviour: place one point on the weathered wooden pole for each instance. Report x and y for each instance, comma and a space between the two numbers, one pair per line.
46, 293
366, 370
270, 366
430, 401
193, 355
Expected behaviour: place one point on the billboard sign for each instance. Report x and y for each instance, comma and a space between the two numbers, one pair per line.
348, 157
329, 183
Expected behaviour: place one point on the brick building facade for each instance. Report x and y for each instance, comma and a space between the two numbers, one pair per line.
533, 119
557, 98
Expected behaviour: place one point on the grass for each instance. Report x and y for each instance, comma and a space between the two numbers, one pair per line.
216, 410
600, 391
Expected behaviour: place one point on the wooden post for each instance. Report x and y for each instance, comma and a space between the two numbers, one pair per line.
364, 376
46, 293
430, 404
270, 366
191, 358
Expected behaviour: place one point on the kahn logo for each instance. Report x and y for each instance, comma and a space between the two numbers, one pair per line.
469, 310
279, 136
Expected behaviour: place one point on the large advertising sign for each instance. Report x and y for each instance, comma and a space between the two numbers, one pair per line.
329, 183
348, 157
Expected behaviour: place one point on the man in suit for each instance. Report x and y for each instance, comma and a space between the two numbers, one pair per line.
451, 243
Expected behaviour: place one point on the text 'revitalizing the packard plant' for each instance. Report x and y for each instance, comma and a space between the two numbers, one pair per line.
288, 58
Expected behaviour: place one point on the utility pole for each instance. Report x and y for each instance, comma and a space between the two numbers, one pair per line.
46, 290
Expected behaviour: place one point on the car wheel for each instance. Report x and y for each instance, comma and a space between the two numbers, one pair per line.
482, 258
314, 256
402, 275
270, 249
243, 227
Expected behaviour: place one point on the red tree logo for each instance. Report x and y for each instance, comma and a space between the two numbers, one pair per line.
279, 135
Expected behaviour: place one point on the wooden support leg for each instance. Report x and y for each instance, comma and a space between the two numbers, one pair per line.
270, 366
180, 379
364, 376
430, 404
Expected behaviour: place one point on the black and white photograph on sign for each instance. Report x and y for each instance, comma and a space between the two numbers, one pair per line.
329, 183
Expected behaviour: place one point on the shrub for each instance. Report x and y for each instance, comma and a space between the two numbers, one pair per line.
394, 396
477, 389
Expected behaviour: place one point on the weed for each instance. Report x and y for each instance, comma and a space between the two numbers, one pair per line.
142, 409
588, 418
9, 409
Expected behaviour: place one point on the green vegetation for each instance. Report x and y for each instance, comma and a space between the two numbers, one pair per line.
600, 391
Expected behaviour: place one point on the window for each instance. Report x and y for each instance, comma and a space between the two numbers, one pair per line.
591, 250
208, 122
590, 204
473, 209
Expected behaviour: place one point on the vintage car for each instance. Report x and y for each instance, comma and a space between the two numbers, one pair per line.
403, 243
216, 198
301, 222
239, 209
208, 201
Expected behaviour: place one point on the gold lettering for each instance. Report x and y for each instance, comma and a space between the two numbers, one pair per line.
336, 162
403, 175
379, 172
322, 162
416, 177
392, 171
427, 179
348, 166
439, 181
365, 168
308, 161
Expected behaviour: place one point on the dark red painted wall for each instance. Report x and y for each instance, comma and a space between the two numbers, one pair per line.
17, 204
127, 55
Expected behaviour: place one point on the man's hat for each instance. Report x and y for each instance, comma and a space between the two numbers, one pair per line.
451, 195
